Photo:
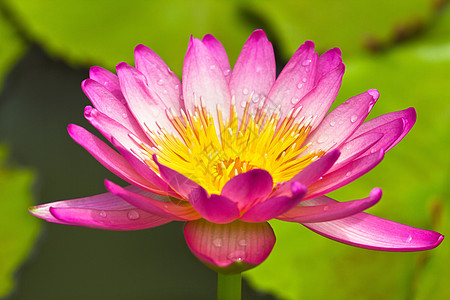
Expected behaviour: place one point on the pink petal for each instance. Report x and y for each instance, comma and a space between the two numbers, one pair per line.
408, 117
324, 209
318, 101
248, 188
109, 158
160, 79
215, 208
146, 106
275, 206
104, 211
108, 80
353, 149
340, 123
204, 80
310, 174
327, 62
229, 248
367, 231
143, 169
219, 53
254, 72
344, 175
108, 104
110, 128
164, 208
180, 183
295, 80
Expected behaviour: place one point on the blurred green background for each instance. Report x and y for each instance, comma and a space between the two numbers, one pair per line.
402, 48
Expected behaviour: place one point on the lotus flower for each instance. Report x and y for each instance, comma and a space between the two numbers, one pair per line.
228, 150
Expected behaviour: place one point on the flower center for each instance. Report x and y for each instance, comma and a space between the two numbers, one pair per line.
209, 157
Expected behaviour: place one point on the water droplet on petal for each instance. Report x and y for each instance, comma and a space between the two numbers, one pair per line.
237, 256
321, 177
294, 100
341, 122
300, 85
304, 79
332, 123
243, 243
160, 82
133, 215
409, 239
255, 98
212, 67
176, 86
326, 207
102, 214
243, 104
217, 243
322, 139
245, 91
353, 118
348, 174
306, 62
124, 115
165, 92
373, 150
226, 72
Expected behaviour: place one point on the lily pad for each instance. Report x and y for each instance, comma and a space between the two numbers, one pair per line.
414, 177
105, 32
18, 229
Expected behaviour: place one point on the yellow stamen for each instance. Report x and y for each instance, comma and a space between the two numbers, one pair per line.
262, 140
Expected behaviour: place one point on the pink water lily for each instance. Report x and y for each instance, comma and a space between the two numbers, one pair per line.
227, 150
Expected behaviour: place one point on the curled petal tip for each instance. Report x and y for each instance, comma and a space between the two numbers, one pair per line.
376, 194
374, 93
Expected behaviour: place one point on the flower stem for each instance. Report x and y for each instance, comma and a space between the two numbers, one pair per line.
229, 287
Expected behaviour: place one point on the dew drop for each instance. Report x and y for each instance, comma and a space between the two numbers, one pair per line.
341, 122
165, 92
133, 215
294, 100
160, 82
245, 91
353, 118
226, 72
237, 256
373, 150
217, 243
243, 104
326, 207
124, 115
322, 139
212, 67
306, 62
243, 243
255, 98
409, 239
176, 86
102, 214
304, 79
300, 85
321, 177
348, 174
332, 123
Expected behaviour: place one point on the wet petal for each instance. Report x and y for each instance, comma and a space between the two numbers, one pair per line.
219, 53
340, 123
145, 201
275, 206
204, 80
367, 231
108, 80
104, 211
160, 79
254, 72
346, 174
230, 248
324, 209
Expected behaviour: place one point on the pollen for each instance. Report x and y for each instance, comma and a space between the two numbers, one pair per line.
211, 156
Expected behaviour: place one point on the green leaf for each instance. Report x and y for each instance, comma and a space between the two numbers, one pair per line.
105, 32
18, 228
12, 47
414, 177
351, 25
